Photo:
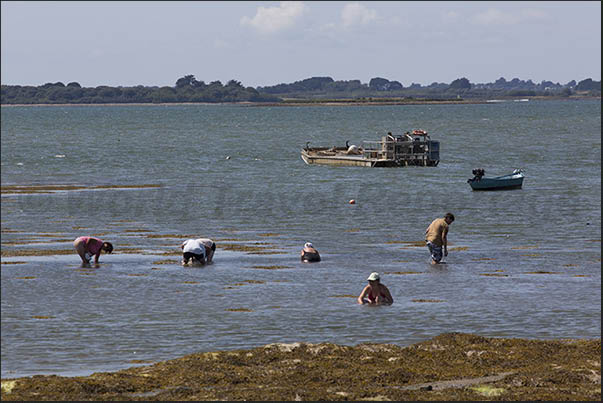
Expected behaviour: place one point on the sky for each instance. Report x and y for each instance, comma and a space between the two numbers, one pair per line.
153, 43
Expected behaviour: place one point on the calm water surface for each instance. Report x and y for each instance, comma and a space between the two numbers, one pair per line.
522, 263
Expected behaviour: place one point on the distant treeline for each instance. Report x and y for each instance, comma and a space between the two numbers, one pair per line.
188, 89
326, 87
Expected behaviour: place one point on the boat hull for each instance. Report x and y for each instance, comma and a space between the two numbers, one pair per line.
501, 183
349, 161
361, 161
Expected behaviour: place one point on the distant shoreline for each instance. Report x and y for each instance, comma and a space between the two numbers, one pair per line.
259, 104
343, 102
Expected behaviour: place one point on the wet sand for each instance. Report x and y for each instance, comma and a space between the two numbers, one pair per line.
452, 366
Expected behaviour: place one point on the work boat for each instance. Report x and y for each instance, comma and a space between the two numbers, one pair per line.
505, 182
414, 148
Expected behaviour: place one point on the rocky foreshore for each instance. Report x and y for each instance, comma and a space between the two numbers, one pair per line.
452, 366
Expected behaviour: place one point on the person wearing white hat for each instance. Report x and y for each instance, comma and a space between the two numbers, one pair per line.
309, 253
375, 293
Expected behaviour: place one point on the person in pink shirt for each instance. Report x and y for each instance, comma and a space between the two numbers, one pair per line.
88, 246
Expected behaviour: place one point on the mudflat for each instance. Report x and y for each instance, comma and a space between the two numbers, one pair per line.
451, 366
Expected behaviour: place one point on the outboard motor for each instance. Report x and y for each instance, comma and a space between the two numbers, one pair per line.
478, 174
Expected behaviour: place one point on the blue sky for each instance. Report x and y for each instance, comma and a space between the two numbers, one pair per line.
266, 43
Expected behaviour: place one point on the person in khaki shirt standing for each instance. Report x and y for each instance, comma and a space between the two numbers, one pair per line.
435, 237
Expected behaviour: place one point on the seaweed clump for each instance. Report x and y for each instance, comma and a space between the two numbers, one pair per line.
452, 366
36, 252
30, 189
270, 267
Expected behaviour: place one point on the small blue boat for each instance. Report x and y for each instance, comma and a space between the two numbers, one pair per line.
505, 182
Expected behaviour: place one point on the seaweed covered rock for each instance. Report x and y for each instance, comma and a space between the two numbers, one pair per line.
451, 366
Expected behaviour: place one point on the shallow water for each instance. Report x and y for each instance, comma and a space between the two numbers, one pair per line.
522, 263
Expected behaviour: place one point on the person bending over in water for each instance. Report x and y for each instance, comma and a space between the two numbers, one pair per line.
375, 292
436, 237
210, 248
88, 246
309, 253
194, 251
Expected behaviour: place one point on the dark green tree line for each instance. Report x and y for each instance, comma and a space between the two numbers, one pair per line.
186, 89
189, 89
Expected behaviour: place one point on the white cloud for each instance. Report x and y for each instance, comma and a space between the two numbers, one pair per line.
451, 16
96, 53
494, 16
533, 14
357, 14
221, 44
269, 20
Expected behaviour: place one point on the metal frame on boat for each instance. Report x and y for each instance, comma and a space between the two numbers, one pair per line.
410, 149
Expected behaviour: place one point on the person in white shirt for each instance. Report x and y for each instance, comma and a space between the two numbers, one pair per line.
194, 251
210, 248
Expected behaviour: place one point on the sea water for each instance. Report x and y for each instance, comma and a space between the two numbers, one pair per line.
522, 263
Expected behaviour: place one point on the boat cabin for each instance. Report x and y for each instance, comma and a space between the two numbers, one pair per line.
414, 148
